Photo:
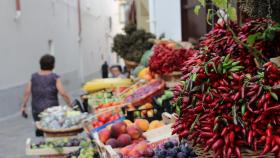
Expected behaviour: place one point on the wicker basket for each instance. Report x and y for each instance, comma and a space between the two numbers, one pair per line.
73, 131
246, 153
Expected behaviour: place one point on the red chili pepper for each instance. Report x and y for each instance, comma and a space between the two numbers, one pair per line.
232, 138
250, 137
224, 131
236, 96
218, 144
243, 91
275, 149
237, 152
229, 153
269, 131
267, 146
235, 76
277, 139
274, 108
206, 134
222, 88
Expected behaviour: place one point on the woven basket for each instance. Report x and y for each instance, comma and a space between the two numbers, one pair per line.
73, 131
246, 153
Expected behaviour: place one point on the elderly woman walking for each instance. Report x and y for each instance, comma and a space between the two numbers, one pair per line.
44, 87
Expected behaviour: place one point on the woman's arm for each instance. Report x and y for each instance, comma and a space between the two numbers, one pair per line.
27, 93
62, 92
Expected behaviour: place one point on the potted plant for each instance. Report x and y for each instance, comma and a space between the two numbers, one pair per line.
132, 45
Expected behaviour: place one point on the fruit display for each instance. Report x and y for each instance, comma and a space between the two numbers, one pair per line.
120, 135
228, 96
101, 84
144, 124
146, 111
173, 149
146, 74
168, 94
140, 149
105, 118
87, 150
61, 117
58, 144
145, 93
101, 98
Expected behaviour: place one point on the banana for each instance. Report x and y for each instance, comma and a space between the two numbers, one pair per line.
99, 84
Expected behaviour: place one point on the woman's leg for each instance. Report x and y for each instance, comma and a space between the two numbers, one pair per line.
38, 132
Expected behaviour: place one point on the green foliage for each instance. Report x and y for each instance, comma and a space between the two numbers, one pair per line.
221, 4
232, 13
252, 38
197, 9
202, 2
132, 45
268, 34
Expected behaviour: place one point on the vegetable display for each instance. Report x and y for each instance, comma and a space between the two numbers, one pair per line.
224, 101
61, 117
168, 58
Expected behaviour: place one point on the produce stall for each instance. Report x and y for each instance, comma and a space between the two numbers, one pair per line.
138, 106
217, 99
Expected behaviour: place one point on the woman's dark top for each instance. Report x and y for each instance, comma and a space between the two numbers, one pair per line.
44, 92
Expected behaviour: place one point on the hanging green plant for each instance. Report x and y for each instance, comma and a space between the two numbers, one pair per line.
133, 44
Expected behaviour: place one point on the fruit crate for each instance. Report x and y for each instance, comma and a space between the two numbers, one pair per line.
134, 114
136, 99
48, 152
157, 111
154, 137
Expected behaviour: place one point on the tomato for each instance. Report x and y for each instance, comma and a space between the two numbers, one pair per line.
98, 124
114, 117
102, 118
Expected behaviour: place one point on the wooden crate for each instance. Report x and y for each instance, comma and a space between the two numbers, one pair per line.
48, 152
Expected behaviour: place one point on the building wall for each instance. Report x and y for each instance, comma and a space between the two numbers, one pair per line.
142, 13
165, 18
24, 40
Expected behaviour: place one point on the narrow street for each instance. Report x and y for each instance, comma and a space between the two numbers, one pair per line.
14, 132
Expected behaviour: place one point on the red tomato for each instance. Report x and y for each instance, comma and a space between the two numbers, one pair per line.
99, 124
114, 117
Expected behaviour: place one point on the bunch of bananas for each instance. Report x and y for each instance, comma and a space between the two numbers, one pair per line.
100, 84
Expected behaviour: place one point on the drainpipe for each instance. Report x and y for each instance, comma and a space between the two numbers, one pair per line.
79, 20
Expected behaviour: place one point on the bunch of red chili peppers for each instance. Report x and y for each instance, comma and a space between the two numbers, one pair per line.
166, 58
226, 102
